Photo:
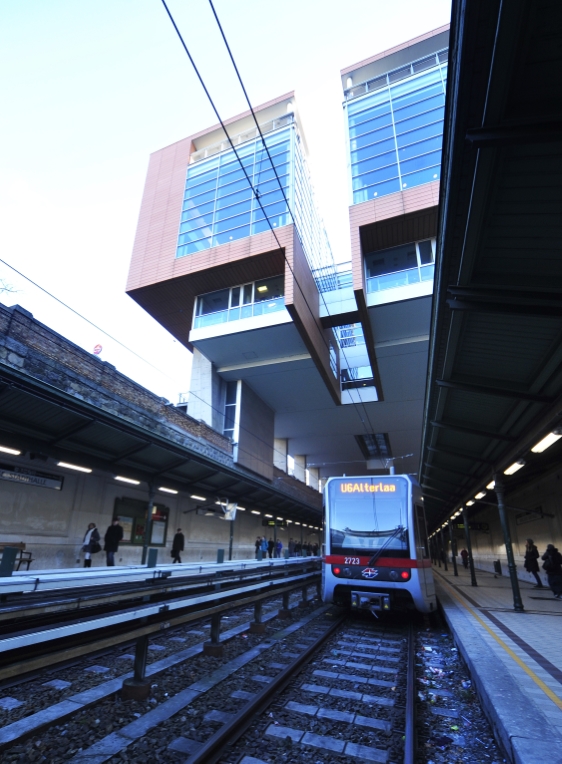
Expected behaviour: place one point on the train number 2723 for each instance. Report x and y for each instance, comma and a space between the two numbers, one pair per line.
352, 561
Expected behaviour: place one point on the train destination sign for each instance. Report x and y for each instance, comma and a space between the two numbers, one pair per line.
368, 487
30, 477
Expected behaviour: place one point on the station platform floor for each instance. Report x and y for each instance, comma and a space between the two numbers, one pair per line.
515, 658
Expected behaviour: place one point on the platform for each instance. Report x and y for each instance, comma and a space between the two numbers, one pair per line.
515, 658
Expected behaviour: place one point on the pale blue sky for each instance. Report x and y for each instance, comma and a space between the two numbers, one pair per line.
89, 88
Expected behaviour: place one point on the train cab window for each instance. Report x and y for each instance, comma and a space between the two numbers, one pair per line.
369, 516
422, 541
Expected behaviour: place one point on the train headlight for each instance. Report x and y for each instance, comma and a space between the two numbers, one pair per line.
393, 575
405, 575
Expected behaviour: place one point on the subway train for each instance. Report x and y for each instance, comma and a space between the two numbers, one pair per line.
376, 551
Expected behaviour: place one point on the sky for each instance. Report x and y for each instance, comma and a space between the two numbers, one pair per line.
89, 88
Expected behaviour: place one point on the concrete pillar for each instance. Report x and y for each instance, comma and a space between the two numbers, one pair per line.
313, 477
280, 453
206, 395
300, 468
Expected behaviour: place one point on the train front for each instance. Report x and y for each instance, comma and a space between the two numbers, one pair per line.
376, 545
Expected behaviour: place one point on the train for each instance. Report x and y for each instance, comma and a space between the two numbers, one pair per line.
375, 554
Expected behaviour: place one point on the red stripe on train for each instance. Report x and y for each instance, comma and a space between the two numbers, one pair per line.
382, 562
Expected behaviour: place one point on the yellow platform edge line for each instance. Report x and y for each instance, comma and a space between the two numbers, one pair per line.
537, 680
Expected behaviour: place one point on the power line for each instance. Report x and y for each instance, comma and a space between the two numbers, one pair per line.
87, 320
256, 195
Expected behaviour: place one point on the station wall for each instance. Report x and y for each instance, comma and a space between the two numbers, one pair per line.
544, 495
52, 523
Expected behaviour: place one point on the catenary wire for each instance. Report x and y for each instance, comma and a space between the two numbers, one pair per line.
256, 195
264, 144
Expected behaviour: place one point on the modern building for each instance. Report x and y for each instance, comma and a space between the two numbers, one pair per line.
311, 366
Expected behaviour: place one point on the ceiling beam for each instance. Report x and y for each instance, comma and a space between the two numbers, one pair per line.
459, 454
502, 135
448, 470
518, 302
502, 392
471, 431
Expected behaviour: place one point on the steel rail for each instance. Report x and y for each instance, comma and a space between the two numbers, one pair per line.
98, 596
212, 750
8, 644
35, 663
410, 732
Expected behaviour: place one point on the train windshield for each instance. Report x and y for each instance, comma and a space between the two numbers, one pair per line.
369, 516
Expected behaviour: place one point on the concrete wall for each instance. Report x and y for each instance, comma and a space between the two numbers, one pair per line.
487, 546
53, 523
255, 435
206, 393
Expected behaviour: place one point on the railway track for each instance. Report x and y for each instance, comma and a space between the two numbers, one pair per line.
315, 687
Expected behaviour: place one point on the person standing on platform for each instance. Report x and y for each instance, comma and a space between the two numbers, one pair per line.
291, 548
113, 536
258, 546
178, 545
270, 547
553, 566
278, 548
91, 544
531, 563
464, 555
263, 548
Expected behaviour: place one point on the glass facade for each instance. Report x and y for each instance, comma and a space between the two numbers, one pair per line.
245, 301
400, 266
219, 205
396, 132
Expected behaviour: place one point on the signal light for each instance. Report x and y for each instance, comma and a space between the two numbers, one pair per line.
337, 571
405, 575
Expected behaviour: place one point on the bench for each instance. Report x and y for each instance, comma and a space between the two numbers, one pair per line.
22, 557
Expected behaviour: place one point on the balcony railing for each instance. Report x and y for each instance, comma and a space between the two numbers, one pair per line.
400, 278
235, 314
248, 135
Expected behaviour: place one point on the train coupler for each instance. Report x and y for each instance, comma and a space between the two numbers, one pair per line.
374, 601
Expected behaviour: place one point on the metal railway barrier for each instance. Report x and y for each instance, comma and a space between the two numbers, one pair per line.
161, 615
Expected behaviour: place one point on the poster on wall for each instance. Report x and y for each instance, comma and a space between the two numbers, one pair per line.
158, 532
127, 525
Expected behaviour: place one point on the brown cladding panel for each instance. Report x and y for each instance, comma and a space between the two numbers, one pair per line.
302, 302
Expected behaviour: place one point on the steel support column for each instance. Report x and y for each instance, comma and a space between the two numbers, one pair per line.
469, 547
148, 526
453, 549
498, 487
444, 550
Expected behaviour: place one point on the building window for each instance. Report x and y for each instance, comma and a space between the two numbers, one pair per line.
357, 377
396, 132
256, 299
230, 409
374, 445
400, 266
349, 335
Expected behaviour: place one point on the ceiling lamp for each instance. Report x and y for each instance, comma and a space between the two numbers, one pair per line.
13, 451
511, 470
491, 485
167, 490
470, 503
198, 498
547, 441
73, 467
125, 479
480, 495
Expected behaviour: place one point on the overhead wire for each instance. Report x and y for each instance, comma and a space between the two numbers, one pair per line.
256, 195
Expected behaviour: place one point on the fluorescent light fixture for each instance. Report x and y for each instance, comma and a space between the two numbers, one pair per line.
73, 467
480, 495
491, 485
262, 289
304, 525
279, 518
296, 523
513, 468
167, 490
255, 512
127, 480
6, 450
198, 498
270, 516
242, 509
289, 521
470, 503
547, 441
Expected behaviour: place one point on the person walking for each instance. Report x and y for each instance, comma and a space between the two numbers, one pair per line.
113, 536
464, 555
553, 566
177, 545
531, 563
91, 544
